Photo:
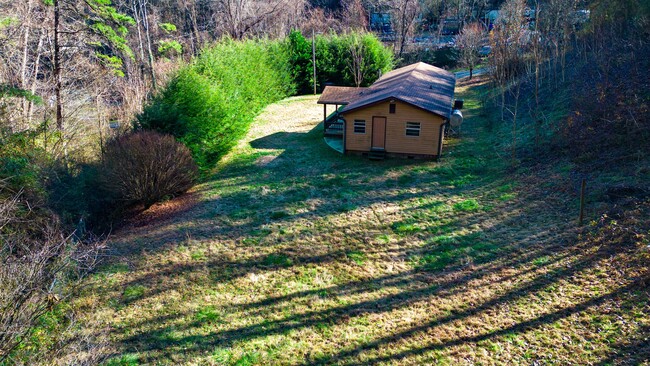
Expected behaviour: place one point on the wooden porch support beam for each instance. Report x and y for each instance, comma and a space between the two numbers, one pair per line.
324, 113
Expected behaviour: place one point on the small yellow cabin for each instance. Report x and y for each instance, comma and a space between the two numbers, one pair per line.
404, 113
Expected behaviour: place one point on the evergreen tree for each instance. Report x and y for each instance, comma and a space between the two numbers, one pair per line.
91, 24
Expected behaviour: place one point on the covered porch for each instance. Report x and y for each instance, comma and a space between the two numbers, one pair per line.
339, 97
333, 124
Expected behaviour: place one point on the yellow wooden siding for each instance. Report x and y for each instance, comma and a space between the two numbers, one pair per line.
396, 139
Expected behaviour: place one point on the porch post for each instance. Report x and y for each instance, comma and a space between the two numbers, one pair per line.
324, 113
344, 134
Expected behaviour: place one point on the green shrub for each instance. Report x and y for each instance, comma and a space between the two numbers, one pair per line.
169, 48
300, 58
333, 59
210, 103
23, 165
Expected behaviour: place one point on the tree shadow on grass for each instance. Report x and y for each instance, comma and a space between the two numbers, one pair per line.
279, 140
151, 341
342, 357
254, 195
635, 351
435, 253
451, 250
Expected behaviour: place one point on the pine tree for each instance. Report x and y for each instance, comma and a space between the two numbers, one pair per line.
93, 25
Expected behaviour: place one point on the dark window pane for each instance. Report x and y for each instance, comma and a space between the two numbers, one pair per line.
413, 128
359, 126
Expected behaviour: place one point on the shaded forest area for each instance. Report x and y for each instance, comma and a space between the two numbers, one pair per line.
82, 82
563, 90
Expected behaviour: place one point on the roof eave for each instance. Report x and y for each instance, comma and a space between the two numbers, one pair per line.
332, 102
401, 100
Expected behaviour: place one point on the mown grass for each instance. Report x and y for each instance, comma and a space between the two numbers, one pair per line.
298, 255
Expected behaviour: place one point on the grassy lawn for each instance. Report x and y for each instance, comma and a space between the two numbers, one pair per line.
295, 254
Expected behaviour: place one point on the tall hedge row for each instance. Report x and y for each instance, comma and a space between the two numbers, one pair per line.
210, 103
334, 59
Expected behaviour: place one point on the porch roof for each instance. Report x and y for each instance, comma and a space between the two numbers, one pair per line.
340, 95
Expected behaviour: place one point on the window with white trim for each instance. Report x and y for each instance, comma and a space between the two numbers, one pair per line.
359, 126
413, 128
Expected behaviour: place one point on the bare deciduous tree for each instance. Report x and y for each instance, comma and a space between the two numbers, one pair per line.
556, 26
318, 21
469, 41
88, 24
353, 15
403, 14
357, 60
22, 40
506, 40
241, 17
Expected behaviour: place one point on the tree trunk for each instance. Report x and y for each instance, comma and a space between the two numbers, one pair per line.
37, 65
514, 123
537, 57
195, 27
403, 30
503, 102
145, 22
313, 56
137, 26
58, 84
100, 125
23, 66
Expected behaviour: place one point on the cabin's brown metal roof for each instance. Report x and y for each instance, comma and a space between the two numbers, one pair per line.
420, 84
341, 95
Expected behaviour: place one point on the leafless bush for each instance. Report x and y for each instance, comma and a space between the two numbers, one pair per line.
39, 268
80, 342
144, 167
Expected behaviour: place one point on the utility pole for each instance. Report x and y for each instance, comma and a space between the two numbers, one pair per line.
313, 56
